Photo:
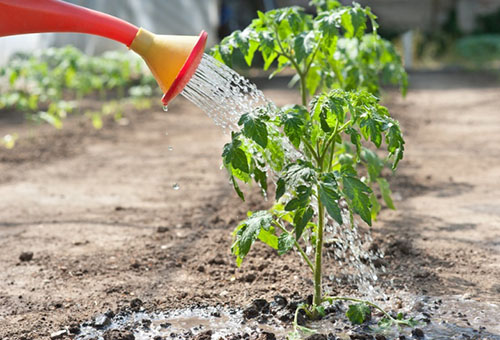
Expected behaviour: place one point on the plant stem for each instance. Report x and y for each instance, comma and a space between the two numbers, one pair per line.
317, 299
304, 255
303, 89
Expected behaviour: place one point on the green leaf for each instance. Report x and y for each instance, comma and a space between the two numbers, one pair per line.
248, 231
371, 129
329, 196
355, 139
293, 204
301, 219
280, 188
353, 21
268, 237
302, 199
285, 243
395, 143
293, 121
385, 190
375, 206
356, 191
261, 178
358, 313
329, 23
237, 187
254, 128
374, 164
234, 155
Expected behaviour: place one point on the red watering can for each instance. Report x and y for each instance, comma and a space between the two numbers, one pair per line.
172, 59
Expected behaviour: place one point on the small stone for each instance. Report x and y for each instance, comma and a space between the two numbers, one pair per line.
201, 269
102, 321
280, 300
116, 334
250, 312
135, 303
261, 304
207, 335
266, 336
59, 334
162, 230
26, 256
418, 333
74, 329
249, 278
317, 337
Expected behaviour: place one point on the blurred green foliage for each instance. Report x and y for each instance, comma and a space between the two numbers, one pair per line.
481, 49
46, 84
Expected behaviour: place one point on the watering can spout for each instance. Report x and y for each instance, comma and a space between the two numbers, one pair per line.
172, 59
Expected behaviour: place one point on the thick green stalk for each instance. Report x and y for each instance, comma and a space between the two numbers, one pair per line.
303, 89
317, 298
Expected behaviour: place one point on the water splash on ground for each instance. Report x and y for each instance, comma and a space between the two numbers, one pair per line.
452, 317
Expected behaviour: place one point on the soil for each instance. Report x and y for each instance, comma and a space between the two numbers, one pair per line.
90, 220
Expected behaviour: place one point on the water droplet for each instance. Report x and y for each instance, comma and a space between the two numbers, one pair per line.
165, 108
166, 133
176, 186
170, 148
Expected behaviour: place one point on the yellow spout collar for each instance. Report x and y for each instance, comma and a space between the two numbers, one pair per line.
164, 54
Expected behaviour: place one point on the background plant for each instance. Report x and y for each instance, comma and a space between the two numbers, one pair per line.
46, 84
317, 151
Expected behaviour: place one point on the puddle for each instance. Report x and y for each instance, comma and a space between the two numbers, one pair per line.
453, 317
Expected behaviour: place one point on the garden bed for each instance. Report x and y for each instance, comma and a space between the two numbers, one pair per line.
106, 227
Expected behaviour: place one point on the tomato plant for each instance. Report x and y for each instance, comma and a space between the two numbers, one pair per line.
318, 152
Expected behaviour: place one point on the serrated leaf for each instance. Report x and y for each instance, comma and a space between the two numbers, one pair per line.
329, 198
268, 238
357, 191
237, 187
280, 188
374, 164
293, 121
385, 190
285, 243
358, 313
375, 206
261, 178
355, 139
248, 231
300, 221
371, 130
293, 204
254, 128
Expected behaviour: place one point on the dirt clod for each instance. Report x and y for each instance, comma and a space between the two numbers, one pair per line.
317, 337
162, 230
135, 304
418, 333
116, 334
266, 336
207, 335
26, 256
